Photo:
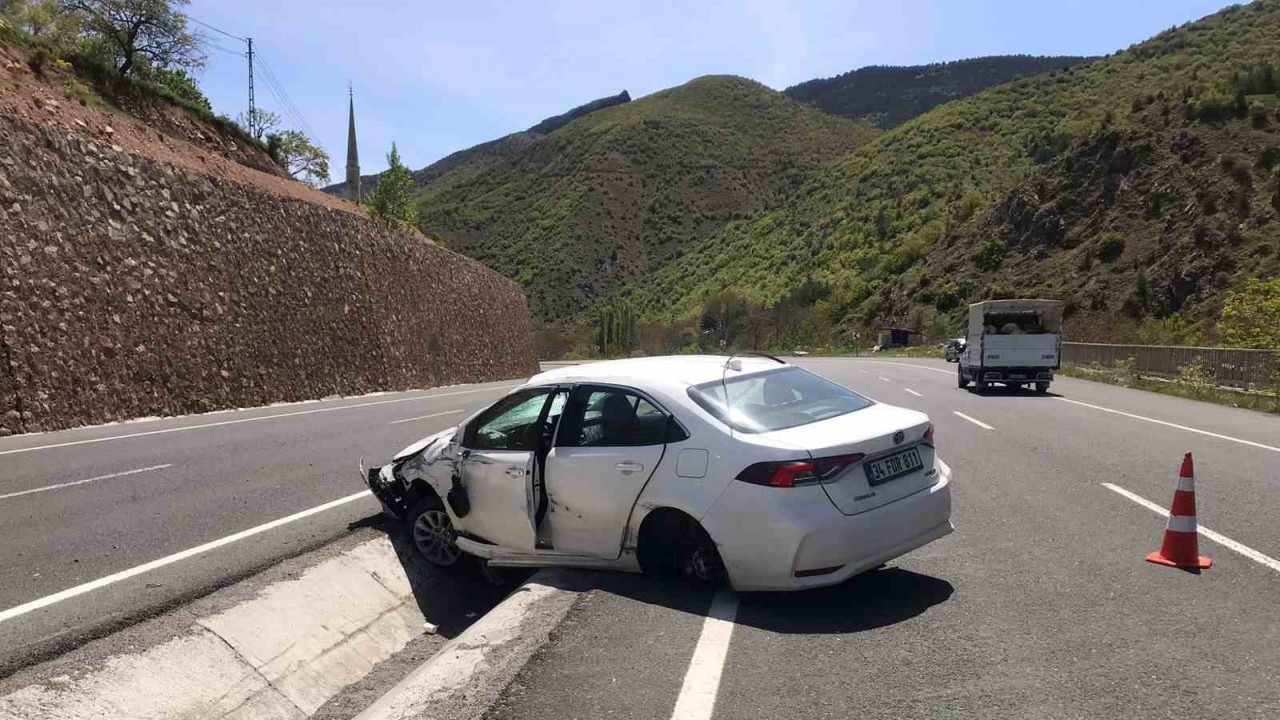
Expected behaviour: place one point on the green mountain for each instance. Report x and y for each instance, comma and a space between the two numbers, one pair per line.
888, 96
1134, 187
618, 193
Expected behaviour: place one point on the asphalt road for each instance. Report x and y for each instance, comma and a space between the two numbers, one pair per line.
168, 486
1039, 606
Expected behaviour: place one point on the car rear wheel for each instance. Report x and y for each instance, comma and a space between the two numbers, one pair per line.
675, 544
430, 530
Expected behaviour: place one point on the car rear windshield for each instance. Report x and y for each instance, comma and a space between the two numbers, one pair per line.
775, 400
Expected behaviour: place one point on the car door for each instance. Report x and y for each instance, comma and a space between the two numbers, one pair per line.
498, 468
609, 444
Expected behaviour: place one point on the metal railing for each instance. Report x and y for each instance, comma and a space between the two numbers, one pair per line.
1229, 367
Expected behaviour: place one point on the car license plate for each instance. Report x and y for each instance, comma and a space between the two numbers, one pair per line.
894, 466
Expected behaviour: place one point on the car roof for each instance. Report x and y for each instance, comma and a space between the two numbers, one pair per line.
663, 370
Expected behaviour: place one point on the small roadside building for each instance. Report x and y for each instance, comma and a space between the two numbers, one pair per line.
892, 337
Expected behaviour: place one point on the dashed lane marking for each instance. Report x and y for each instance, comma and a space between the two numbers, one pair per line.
979, 423
424, 417
86, 481
913, 392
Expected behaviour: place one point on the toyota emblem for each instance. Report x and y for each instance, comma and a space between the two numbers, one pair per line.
898, 437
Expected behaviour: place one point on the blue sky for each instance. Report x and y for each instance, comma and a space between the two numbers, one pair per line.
441, 76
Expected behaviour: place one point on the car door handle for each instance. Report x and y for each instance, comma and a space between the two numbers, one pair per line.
629, 467
515, 471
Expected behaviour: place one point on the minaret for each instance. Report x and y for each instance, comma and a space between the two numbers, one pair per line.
353, 156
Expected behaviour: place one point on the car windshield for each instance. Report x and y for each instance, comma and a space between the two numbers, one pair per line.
776, 400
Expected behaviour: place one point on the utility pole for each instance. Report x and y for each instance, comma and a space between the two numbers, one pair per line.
253, 120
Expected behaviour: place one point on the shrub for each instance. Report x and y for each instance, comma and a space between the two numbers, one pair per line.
1111, 247
990, 255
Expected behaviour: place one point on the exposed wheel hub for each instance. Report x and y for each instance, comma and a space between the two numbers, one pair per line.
434, 536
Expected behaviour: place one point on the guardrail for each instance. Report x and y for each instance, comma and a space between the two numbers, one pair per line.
1229, 367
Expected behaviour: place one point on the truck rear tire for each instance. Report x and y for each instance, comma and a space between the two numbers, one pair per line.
961, 381
1042, 387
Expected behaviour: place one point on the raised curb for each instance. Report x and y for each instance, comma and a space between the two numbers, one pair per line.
281, 653
466, 676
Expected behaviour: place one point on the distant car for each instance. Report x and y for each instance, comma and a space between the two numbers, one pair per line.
953, 349
745, 469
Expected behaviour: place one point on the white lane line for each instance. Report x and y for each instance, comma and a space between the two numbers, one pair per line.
905, 364
1223, 540
1174, 425
424, 417
247, 420
913, 392
979, 423
697, 699
102, 582
83, 482
884, 378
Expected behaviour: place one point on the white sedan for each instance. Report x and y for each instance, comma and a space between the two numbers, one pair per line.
743, 469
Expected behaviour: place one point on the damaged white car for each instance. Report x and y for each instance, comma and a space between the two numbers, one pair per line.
744, 470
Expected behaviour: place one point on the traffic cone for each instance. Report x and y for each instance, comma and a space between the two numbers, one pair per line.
1181, 546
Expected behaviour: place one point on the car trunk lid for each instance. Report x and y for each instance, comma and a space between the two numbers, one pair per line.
879, 433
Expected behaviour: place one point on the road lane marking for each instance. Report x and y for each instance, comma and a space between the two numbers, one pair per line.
884, 378
913, 392
424, 417
247, 420
83, 482
102, 582
1174, 425
697, 699
902, 364
979, 423
1219, 538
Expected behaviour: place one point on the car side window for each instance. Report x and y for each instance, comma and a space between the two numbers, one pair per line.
611, 417
511, 424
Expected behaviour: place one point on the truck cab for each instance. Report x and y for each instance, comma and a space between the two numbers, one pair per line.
1016, 343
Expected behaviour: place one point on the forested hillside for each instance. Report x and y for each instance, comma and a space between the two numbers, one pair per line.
621, 192
888, 96
1135, 187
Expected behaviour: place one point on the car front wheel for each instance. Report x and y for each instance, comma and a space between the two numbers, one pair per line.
431, 531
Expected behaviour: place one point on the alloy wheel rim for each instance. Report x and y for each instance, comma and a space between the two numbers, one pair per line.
434, 537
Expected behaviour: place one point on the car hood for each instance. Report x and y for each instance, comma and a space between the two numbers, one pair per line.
435, 442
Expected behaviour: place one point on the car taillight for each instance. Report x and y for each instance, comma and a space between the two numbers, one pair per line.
928, 434
790, 473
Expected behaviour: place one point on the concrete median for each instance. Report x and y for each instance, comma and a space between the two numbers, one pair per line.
278, 646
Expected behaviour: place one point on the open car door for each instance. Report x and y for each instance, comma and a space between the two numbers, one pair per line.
500, 469
609, 444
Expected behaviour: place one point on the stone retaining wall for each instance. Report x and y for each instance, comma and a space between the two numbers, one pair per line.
131, 288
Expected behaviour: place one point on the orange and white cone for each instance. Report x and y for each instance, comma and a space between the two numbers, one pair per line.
1181, 546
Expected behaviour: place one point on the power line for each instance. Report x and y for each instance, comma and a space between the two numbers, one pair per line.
229, 51
217, 30
282, 96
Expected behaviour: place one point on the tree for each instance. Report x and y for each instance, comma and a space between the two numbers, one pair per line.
1251, 315
46, 20
299, 157
391, 202
259, 124
178, 82
133, 30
